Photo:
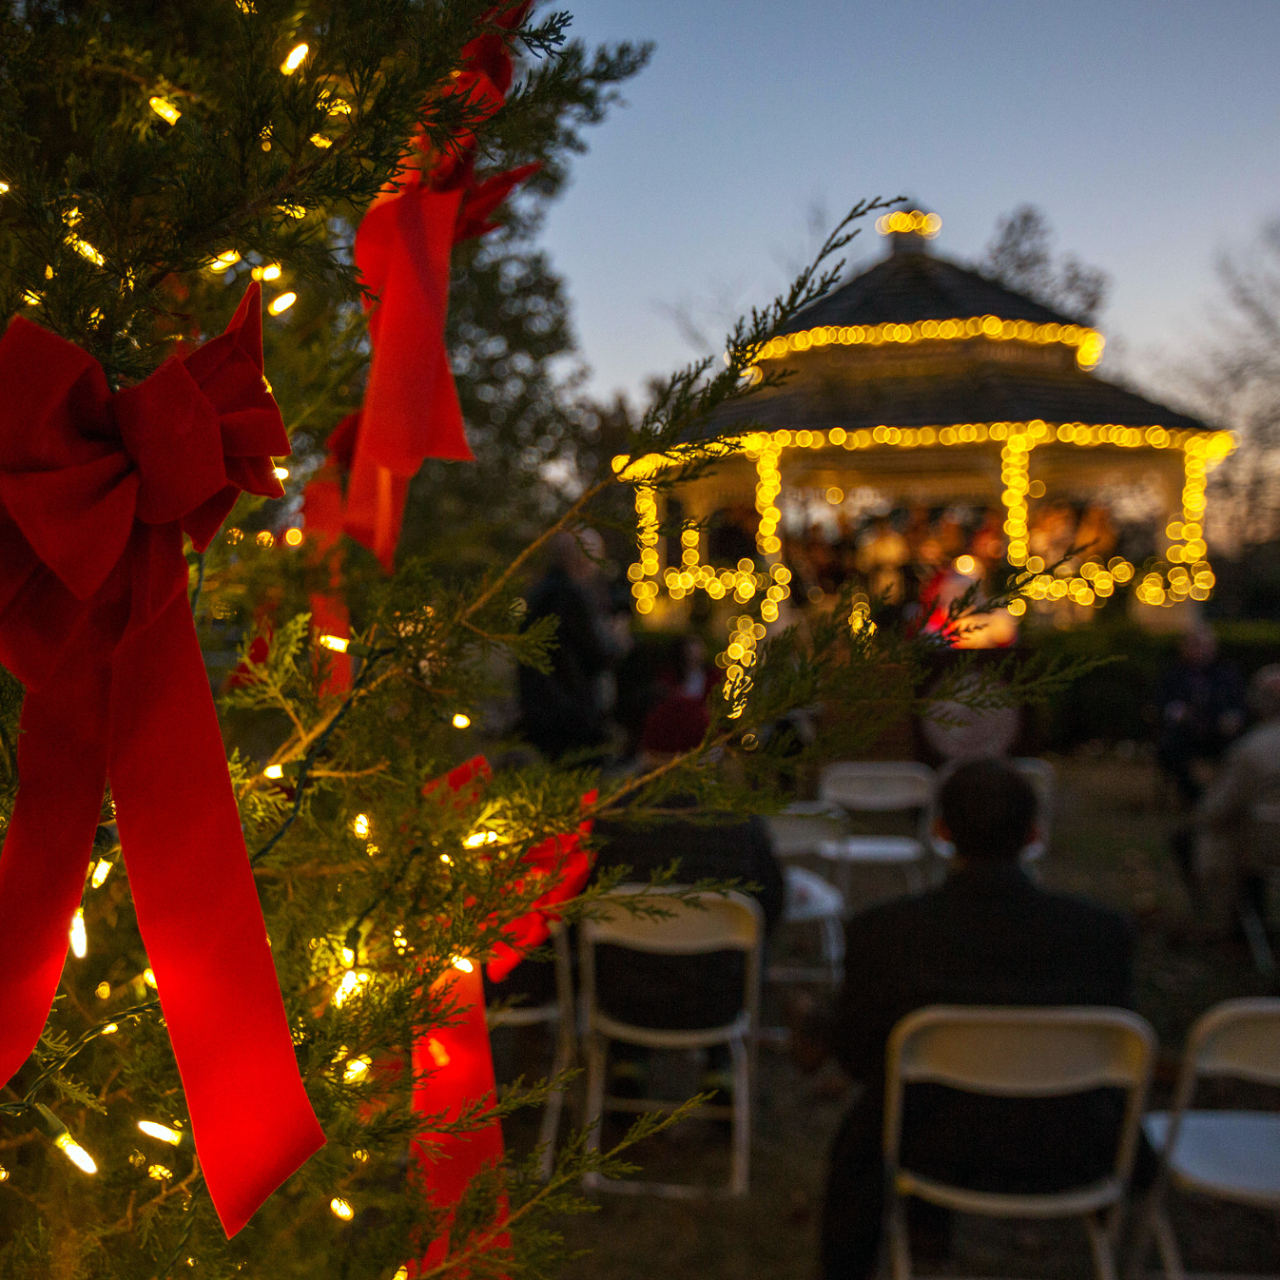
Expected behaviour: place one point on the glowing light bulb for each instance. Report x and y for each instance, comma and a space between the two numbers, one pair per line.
101, 872
402, 1273
966, 565
149, 977
360, 825
103, 991
224, 261
159, 1172
164, 109
339, 107
110, 1029
297, 56
273, 771
339, 644
462, 964
4, 1177
342, 1208
271, 271
86, 250
439, 1054
75, 1152
5, 188
461, 720
291, 210
280, 473
282, 304
319, 140
356, 1069
31, 298
293, 537
79, 938
162, 1132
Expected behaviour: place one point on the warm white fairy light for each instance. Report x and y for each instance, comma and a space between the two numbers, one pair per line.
79, 937
360, 825
75, 1152
273, 771
100, 872
149, 977
278, 306
165, 109
224, 261
341, 1208
339, 644
161, 1132
297, 55
269, 271
356, 1069
478, 838
461, 720
462, 964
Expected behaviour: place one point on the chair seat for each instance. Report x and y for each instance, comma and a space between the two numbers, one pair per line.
809, 897
1231, 1154
523, 1015
890, 850
992, 1204
694, 1038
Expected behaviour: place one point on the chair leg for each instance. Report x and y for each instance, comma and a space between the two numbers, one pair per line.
1104, 1262
597, 1047
899, 1240
554, 1106
1167, 1243
833, 948
739, 1178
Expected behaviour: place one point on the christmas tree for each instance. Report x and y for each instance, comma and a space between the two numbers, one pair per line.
159, 166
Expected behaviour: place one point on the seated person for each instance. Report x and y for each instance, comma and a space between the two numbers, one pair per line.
988, 936
1238, 819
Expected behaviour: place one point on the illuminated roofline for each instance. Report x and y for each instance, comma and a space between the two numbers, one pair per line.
1089, 343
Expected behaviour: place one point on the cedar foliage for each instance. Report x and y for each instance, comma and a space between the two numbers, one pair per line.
89, 163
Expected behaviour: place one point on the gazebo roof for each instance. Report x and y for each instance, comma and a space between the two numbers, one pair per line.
911, 285
855, 370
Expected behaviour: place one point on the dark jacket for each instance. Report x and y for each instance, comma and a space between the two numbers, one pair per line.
988, 935
679, 992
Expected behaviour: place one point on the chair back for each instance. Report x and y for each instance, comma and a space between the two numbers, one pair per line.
1021, 1053
692, 925
1239, 1038
877, 786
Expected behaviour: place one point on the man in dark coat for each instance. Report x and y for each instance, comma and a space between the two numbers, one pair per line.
988, 936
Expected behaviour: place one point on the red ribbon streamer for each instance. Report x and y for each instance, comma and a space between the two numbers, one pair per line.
458, 1057
96, 491
402, 249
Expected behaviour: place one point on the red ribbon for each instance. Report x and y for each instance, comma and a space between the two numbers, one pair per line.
96, 491
403, 247
457, 1059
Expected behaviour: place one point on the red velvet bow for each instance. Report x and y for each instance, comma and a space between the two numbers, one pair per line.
458, 1057
403, 248
96, 491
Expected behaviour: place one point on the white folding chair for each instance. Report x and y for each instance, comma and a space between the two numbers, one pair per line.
708, 922
799, 831
1231, 1155
1017, 1053
559, 1011
859, 786
1043, 778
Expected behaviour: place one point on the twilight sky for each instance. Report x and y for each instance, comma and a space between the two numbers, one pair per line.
1146, 130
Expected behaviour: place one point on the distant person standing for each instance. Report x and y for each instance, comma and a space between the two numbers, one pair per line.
1201, 708
560, 710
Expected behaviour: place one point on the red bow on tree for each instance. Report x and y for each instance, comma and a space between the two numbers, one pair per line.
457, 1059
403, 248
96, 491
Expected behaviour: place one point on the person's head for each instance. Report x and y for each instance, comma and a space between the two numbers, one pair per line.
988, 811
1264, 692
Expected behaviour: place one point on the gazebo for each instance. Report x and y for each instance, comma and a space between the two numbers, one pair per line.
938, 426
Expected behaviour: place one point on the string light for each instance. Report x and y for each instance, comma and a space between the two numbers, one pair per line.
270, 271
293, 537
297, 56
31, 298
149, 977
110, 1029
278, 306
159, 1172
461, 720
351, 983
79, 937
338, 107
339, 644
75, 1152
1092, 585
342, 1208
266, 538
86, 250
161, 1132
319, 140
4, 1177
462, 964
100, 872
360, 825
103, 991
273, 771
224, 261
164, 109
922, 224
5, 188
1088, 343
291, 210
356, 1069
439, 1054
402, 1273
478, 838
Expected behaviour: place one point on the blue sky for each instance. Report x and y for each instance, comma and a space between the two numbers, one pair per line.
1146, 131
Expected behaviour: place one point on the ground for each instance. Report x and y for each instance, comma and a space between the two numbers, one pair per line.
1109, 836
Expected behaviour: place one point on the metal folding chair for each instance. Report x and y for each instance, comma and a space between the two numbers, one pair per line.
860, 787
559, 1011
1231, 1155
708, 923
1017, 1053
